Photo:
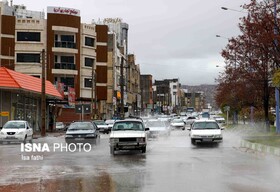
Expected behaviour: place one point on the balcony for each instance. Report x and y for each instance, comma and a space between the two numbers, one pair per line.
65, 44
70, 66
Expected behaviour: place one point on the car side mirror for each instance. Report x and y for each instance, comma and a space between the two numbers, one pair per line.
147, 129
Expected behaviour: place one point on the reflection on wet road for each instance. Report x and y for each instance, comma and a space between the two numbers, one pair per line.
170, 164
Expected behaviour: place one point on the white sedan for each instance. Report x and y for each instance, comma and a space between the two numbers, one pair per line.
16, 131
205, 131
178, 123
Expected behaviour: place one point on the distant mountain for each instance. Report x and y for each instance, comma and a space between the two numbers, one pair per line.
208, 90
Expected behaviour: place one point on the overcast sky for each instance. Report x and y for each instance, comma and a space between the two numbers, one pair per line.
170, 38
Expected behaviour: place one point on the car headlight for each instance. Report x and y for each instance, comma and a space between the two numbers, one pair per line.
196, 136
217, 136
20, 133
114, 140
68, 135
142, 139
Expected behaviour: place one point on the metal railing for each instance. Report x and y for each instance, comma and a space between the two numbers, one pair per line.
70, 66
65, 44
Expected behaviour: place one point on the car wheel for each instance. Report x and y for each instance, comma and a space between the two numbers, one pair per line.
143, 149
183, 128
112, 150
31, 139
24, 141
193, 141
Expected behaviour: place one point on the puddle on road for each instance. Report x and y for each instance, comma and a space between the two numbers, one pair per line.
100, 183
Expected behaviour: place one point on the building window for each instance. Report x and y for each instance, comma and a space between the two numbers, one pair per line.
88, 83
68, 82
29, 36
89, 62
89, 41
174, 86
28, 58
67, 38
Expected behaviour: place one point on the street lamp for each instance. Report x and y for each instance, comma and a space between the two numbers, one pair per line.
226, 9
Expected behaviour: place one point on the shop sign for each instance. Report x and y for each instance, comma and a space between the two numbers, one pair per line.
5, 113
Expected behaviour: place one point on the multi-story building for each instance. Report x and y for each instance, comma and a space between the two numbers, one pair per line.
133, 86
195, 100
146, 86
7, 38
162, 96
76, 54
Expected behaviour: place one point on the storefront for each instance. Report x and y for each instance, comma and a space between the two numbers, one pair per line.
20, 97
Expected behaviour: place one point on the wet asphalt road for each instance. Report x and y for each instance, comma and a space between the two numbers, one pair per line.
170, 164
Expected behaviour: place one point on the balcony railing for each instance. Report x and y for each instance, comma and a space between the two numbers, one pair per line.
65, 44
65, 66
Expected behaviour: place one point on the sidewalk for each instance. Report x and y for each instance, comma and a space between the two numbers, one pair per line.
260, 147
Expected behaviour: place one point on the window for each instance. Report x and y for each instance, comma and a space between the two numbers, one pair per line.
67, 59
28, 57
88, 82
67, 38
174, 86
89, 62
68, 82
89, 41
29, 36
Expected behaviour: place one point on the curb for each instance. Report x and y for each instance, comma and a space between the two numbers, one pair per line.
261, 148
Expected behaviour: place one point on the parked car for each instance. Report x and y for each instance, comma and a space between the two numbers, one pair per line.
110, 123
102, 126
205, 131
82, 132
59, 126
178, 123
128, 134
16, 131
157, 128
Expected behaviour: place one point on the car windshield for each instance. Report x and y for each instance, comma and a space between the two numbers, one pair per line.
99, 122
110, 121
14, 125
177, 121
205, 125
128, 125
155, 124
81, 126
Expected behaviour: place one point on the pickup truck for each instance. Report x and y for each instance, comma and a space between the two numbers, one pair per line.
128, 134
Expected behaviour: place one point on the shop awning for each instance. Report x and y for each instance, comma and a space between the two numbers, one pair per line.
10, 79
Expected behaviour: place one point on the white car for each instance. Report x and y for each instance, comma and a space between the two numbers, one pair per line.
16, 131
59, 126
110, 123
128, 134
157, 128
205, 131
102, 126
178, 123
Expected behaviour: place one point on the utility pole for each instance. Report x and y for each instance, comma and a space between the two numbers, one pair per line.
122, 90
43, 95
92, 89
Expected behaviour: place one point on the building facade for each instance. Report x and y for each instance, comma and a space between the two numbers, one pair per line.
146, 86
76, 55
